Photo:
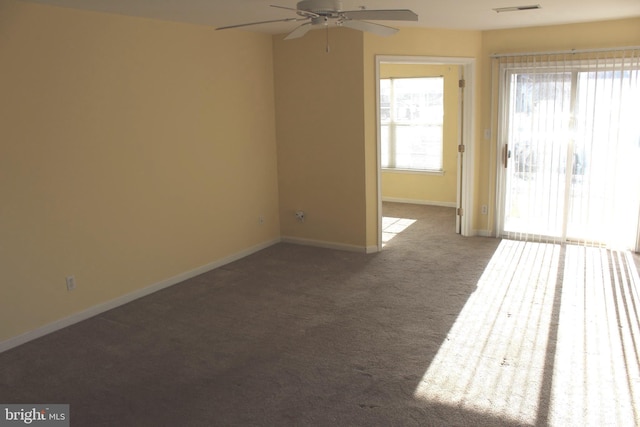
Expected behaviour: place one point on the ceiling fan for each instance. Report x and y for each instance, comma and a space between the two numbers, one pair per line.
322, 12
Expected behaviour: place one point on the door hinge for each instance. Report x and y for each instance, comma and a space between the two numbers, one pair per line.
459, 212
461, 148
462, 83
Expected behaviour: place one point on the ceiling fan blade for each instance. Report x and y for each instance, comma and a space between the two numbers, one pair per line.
381, 15
299, 32
260, 22
304, 13
381, 30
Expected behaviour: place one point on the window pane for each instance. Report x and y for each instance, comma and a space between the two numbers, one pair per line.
384, 143
538, 135
413, 139
385, 100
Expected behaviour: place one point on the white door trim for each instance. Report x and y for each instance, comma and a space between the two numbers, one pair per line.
465, 199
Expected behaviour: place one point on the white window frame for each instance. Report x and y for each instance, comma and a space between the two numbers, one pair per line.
392, 124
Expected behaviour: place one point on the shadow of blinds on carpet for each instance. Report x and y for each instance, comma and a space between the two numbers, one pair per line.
549, 337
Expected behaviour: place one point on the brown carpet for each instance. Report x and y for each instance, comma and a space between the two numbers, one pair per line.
436, 330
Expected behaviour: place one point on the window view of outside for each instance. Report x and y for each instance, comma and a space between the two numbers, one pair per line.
411, 117
540, 108
575, 149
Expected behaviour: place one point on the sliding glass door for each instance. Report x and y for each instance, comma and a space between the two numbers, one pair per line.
571, 148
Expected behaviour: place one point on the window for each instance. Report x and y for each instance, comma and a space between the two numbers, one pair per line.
411, 123
570, 123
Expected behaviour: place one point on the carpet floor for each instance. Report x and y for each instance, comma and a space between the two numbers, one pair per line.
435, 330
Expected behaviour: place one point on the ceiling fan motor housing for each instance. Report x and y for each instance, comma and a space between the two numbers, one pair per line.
328, 8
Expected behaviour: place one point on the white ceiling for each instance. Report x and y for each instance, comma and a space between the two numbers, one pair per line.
452, 14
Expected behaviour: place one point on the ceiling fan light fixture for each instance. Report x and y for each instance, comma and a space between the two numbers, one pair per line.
517, 8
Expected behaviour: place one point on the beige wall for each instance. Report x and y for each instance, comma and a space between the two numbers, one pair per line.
131, 151
421, 187
320, 133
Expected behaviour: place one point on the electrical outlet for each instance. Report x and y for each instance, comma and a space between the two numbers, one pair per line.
300, 216
71, 283
485, 210
261, 219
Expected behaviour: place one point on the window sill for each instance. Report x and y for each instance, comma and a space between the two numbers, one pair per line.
414, 171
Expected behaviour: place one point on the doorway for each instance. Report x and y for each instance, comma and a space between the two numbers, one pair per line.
414, 166
571, 149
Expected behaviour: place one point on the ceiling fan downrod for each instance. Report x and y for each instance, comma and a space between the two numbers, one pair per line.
327, 25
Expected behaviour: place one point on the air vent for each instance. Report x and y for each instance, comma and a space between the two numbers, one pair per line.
518, 8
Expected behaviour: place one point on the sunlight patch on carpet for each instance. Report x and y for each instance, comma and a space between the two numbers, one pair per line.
551, 336
596, 375
391, 227
493, 358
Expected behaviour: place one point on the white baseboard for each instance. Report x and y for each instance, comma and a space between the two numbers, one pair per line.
483, 233
324, 244
124, 299
419, 202
372, 249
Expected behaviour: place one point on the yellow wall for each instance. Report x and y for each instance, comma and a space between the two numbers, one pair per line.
421, 187
407, 42
134, 150
319, 116
592, 35
131, 151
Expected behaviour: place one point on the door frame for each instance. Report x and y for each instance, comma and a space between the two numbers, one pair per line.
466, 132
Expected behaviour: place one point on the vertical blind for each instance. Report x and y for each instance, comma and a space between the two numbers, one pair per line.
569, 133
